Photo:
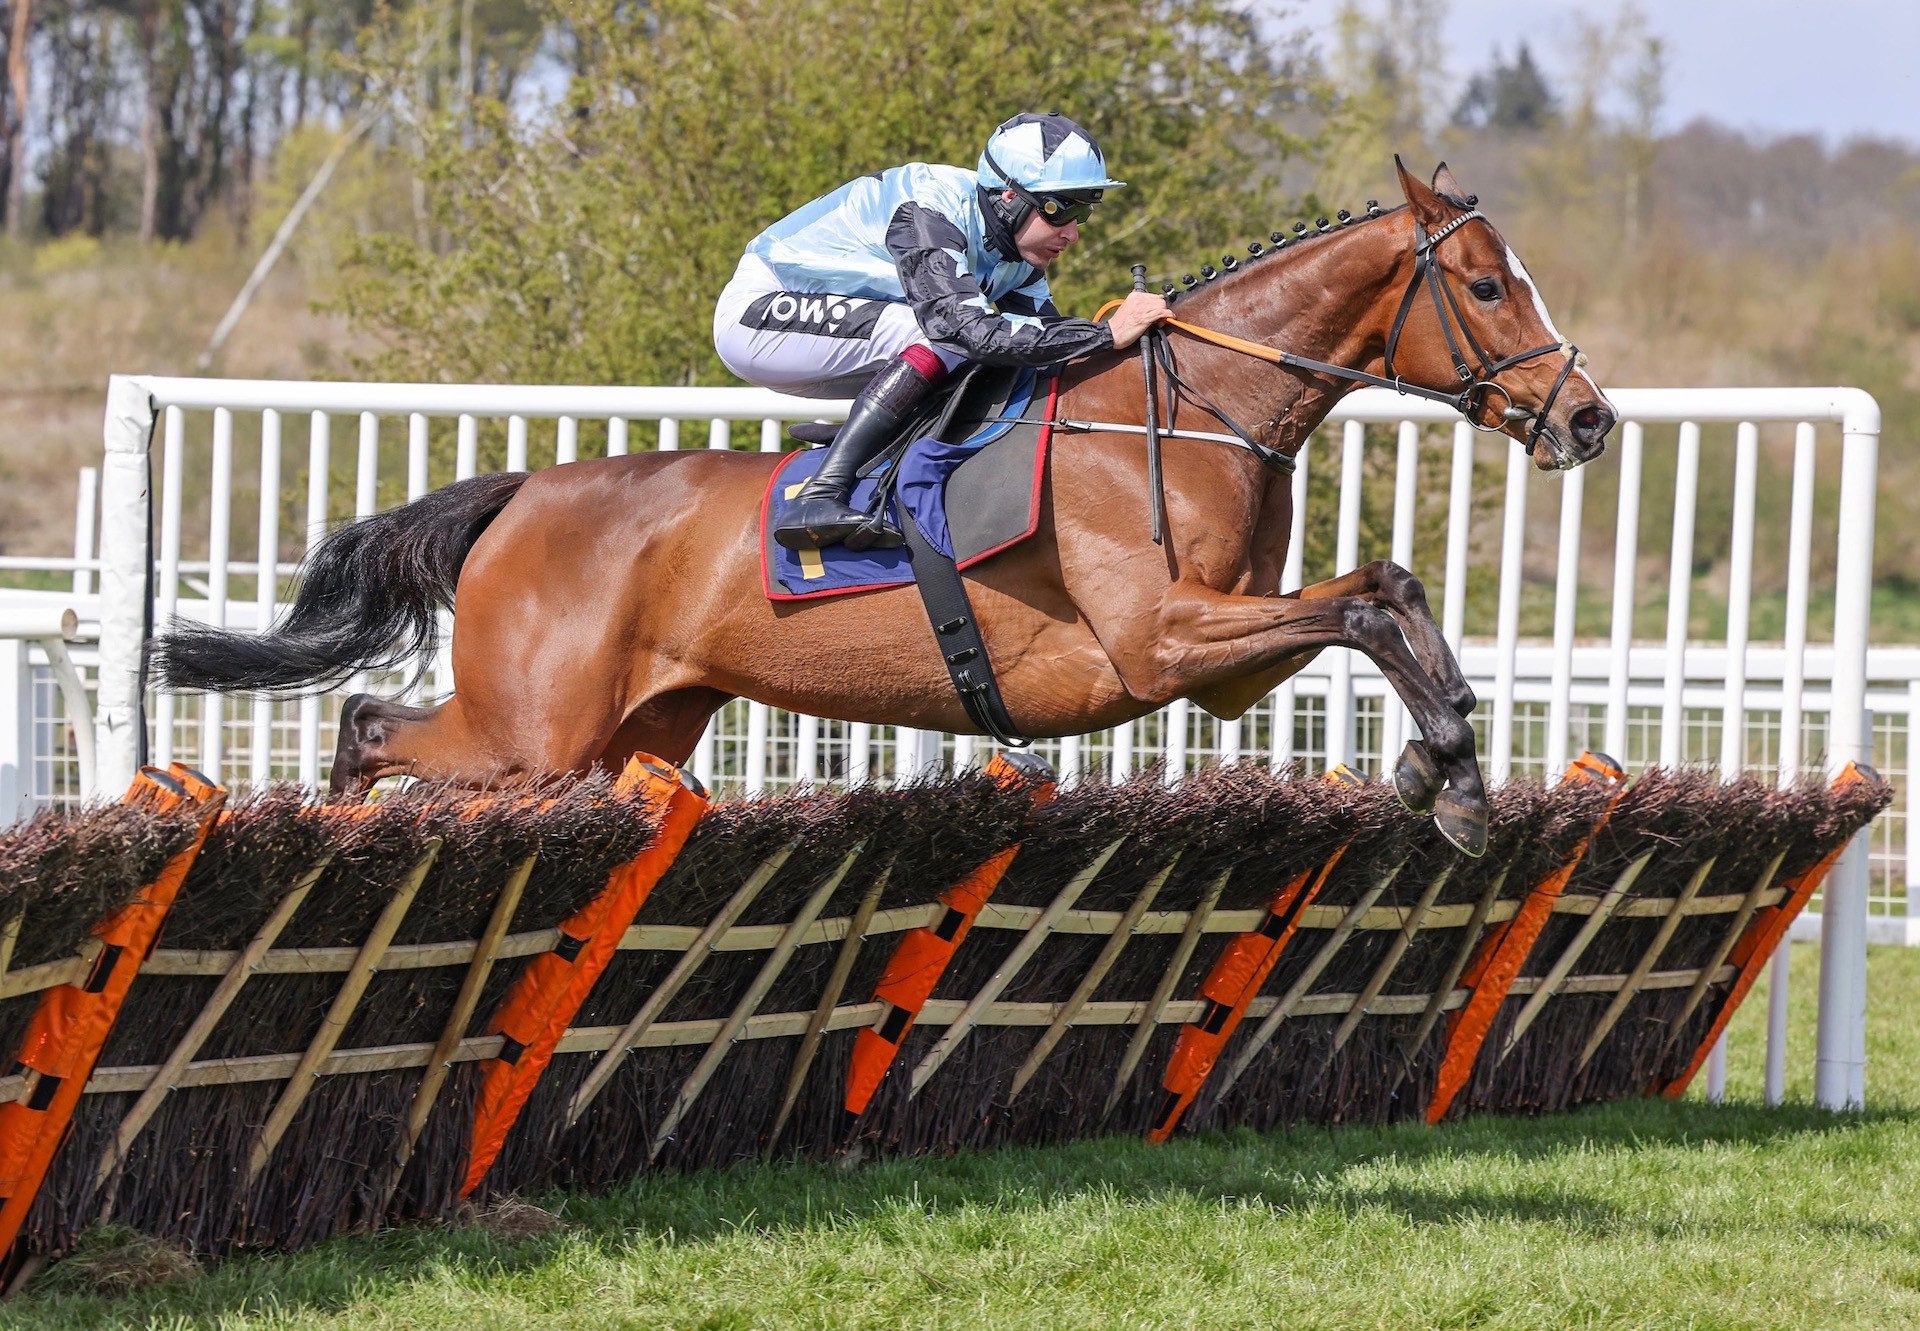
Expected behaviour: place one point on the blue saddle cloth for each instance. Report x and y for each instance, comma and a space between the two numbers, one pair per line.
925, 468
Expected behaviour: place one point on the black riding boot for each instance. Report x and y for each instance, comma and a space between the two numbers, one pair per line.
820, 515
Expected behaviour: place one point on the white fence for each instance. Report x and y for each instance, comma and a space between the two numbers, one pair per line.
1618, 658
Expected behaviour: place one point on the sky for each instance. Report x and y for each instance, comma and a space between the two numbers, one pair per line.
1837, 68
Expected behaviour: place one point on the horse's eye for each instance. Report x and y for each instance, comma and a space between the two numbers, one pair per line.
1487, 289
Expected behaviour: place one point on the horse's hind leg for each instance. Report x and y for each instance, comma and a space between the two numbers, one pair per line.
443, 743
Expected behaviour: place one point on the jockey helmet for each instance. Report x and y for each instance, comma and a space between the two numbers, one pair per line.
1052, 165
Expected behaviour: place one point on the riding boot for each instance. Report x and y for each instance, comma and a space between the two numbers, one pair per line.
820, 514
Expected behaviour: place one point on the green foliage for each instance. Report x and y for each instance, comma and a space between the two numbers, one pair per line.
586, 242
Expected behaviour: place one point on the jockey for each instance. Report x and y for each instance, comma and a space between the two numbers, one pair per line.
896, 278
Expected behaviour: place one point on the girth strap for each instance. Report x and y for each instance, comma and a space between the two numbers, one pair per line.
957, 635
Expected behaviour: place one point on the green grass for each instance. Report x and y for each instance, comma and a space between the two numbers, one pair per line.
1646, 1214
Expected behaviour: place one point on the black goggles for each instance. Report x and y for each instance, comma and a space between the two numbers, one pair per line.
1059, 210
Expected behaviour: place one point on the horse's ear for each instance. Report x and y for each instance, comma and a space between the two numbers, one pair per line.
1445, 184
1428, 207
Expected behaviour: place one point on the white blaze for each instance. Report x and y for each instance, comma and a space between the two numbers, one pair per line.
1540, 308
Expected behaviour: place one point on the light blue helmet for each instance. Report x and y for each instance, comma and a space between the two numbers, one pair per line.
1043, 158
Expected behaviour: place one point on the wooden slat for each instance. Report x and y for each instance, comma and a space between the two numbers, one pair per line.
690, 961
196, 1034
763, 981
302, 1079
1725, 946
214, 962
1109, 954
459, 1017
1570, 955
1476, 924
778, 1025
1395, 950
1176, 967
1250, 1049
1023, 950
9, 939
1649, 957
812, 1038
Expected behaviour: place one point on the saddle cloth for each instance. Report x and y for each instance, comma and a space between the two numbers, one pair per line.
972, 498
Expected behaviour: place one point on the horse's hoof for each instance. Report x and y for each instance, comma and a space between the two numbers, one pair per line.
1463, 822
1416, 780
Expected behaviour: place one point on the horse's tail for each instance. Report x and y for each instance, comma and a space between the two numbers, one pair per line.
369, 598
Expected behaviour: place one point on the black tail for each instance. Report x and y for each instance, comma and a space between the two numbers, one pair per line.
369, 598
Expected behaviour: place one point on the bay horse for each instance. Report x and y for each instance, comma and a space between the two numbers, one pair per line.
611, 606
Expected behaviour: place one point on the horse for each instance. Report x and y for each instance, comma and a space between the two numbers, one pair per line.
608, 607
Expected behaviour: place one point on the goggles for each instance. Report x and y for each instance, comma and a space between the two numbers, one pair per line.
1056, 210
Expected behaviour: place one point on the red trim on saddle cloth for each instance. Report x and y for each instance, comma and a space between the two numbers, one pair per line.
775, 592
926, 360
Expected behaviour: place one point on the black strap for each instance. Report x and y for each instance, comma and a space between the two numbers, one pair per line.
964, 651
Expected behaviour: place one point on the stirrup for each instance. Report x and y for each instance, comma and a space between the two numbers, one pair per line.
876, 533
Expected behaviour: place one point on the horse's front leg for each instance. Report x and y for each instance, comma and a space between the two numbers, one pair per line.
1403, 594
1205, 639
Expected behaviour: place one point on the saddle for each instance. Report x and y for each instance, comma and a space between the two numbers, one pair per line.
965, 480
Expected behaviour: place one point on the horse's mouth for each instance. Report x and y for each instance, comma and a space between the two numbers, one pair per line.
1551, 450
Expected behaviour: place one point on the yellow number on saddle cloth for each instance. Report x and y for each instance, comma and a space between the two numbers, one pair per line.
810, 565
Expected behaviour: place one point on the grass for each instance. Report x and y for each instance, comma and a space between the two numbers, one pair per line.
1647, 1214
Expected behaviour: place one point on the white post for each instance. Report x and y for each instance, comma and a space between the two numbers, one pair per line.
859, 753
1911, 857
213, 710
516, 443
1840, 1061
1173, 740
466, 447
1626, 558
759, 720
1733, 708
1686, 483
617, 437
85, 509
1122, 752
1070, 759
1395, 720
1353, 440
1513, 536
1792, 690
1717, 1071
1453, 605
806, 762
1566, 595
416, 455
266, 586
566, 440
124, 504
1280, 749
167, 591
319, 473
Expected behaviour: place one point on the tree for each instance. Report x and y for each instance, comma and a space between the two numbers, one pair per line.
1512, 98
587, 242
19, 80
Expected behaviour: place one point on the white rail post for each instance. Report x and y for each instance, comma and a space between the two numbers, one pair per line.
1686, 486
319, 474
266, 587
1793, 672
1513, 537
213, 706
1626, 558
85, 510
1394, 717
1840, 1059
173, 472
1285, 698
1340, 709
124, 565
1566, 597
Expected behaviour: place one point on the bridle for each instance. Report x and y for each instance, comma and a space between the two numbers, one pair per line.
1477, 377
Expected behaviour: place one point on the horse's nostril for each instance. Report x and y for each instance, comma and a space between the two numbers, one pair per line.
1591, 423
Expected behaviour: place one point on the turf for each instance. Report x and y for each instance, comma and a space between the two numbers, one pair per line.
1645, 1214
